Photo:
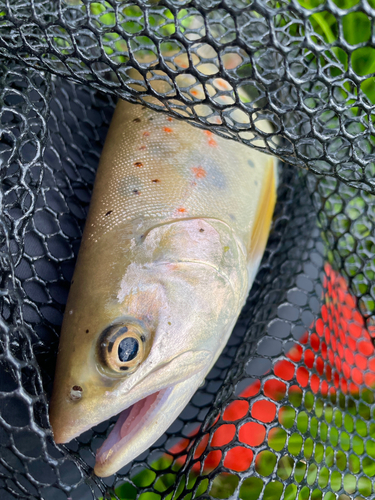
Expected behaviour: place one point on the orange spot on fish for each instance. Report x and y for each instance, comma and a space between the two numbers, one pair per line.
181, 210
169, 118
155, 180
181, 61
211, 140
146, 134
194, 92
138, 164
142, 147
222, 83
167, 129
199, 172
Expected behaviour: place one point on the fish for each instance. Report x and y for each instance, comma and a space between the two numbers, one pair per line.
176, 230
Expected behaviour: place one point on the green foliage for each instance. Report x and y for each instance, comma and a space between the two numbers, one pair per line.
356, 30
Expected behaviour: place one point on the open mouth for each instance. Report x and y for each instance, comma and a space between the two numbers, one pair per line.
130, 421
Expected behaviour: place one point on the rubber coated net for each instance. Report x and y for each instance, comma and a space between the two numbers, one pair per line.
288, 410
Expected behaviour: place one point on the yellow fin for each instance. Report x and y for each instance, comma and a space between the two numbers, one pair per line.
263, 217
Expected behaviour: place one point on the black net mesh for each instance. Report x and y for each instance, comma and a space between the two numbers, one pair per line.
287, 412
225, 65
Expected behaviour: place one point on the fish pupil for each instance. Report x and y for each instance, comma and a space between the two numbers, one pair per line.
127, 349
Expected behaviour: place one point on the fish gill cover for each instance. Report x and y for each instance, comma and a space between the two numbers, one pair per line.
287, 412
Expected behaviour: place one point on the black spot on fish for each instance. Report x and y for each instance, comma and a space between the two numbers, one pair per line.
136, 120
130, 185
87, 331
109, 212
143, 338
155, 180
201, 230
118, 332
123, 368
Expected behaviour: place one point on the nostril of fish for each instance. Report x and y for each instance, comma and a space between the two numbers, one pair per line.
76, 393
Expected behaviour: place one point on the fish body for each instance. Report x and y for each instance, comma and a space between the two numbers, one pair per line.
177, 226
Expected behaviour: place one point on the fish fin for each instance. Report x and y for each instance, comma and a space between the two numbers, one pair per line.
263, 217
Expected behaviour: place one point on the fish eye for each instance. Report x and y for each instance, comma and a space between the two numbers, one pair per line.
122, 348
128, 349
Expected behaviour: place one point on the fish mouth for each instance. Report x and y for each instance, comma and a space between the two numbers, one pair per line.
130, 422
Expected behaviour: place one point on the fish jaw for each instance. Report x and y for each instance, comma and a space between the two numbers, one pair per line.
70, 418
139, 426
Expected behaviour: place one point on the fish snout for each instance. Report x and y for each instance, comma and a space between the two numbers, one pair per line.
68, 414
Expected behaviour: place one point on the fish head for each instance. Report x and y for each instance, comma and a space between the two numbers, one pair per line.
138, 345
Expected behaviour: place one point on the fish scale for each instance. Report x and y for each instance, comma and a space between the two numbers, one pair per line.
197, 174
177, 225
